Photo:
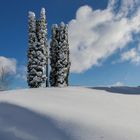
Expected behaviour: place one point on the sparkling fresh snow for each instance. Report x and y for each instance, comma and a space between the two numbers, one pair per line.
73, 113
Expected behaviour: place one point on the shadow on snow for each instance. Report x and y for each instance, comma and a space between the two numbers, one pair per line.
17, 123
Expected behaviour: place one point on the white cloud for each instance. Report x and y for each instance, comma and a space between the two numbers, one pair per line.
117, 84
22, 73
133, 55
20, 133
13, 69
8, 64
124, 7
94, 35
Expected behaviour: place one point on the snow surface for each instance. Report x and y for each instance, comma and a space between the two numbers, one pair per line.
73, 113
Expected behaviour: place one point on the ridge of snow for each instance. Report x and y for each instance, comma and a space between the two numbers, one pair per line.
72, 113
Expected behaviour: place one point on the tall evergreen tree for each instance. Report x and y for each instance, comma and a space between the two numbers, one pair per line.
63, 63
54, 55
43, 41
31, 72
59, 56
37, 53
40, 58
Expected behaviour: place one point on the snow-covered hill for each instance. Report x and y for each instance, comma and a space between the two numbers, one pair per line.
73, 113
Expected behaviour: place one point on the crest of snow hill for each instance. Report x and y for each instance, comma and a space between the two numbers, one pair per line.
39, 53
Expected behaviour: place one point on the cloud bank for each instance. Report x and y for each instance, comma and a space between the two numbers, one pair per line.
94, 35
8, 65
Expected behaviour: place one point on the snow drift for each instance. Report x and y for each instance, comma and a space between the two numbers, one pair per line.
73, 113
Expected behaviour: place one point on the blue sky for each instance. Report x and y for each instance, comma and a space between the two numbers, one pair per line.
119, 66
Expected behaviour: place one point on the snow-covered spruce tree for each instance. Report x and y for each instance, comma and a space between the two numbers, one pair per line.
59, 56
54, 55
43, 43
37, 53
63, 63
31, 67
40, 58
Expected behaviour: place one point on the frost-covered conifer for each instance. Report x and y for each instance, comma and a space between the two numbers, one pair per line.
31, 68
43, 42
59, 56
37, 53
54, 55
63, 63
40, 57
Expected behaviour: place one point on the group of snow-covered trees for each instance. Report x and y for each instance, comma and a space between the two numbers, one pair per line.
38, 53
